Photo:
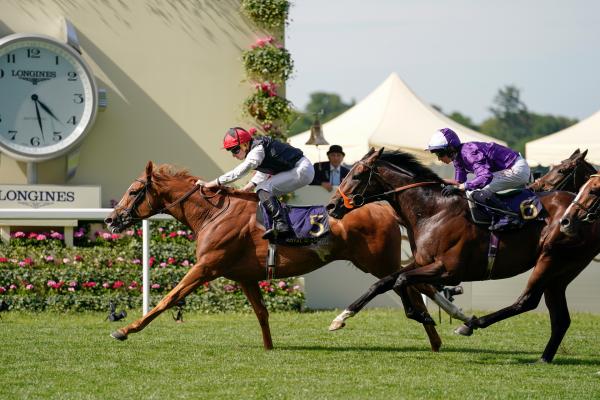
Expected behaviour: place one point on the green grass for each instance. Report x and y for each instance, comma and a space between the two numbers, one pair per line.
379, 355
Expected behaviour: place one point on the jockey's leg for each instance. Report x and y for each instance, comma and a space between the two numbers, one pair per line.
280, 227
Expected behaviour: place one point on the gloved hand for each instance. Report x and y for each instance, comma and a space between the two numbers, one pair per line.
450, 190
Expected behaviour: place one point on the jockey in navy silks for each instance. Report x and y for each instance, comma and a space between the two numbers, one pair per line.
496, 167
281, 169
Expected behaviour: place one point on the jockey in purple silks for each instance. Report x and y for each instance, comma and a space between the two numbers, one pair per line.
496, 167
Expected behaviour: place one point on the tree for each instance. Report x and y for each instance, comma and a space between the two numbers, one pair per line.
514, 121
326, 105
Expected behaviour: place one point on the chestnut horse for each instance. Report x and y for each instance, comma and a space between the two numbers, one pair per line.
583, 213
229, 243
449, 248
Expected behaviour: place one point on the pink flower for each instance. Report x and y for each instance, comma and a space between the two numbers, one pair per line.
151, 261
49, 258
133, 285
32, 235
181, 233
19, 235
120, 259
172, 234
130, 232
78, 234
155, 286
73, 284
29, 286
105, 285
12, 286
71, 289
136, 261
297, 287
115, 236
171, 260
229, 288
185, 263
66, 260
78, 258
161, 229
40, 237
106, 235
56, 235
22, 264
282, 284
163, 264
118, 284
51, 283
89, 284
28, 261
2, 289
3, 260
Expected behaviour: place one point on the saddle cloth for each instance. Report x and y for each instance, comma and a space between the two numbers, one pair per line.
309, 223
523, 202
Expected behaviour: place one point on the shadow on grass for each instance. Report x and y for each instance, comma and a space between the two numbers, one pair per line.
394, 349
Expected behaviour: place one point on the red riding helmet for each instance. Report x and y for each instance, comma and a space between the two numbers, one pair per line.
236, 136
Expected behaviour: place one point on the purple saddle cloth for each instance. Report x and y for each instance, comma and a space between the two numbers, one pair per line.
524, 203
309, 223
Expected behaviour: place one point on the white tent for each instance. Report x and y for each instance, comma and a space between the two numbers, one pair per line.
553, 148
391, 116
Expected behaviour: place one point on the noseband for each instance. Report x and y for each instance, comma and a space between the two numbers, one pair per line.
592, 213
358, 200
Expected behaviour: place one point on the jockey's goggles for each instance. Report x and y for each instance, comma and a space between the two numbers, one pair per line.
235, 149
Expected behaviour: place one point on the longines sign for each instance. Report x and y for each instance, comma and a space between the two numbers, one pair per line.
49, 196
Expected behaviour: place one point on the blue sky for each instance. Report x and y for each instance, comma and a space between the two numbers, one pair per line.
455, 54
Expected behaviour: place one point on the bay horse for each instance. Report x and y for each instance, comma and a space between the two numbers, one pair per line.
229, 242
583, 213
569, 175
449, 248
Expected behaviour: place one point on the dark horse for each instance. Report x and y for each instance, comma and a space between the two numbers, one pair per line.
229, 243
583, 213
568, 175
449, 248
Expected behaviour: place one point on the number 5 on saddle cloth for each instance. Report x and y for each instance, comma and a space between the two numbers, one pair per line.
309, 223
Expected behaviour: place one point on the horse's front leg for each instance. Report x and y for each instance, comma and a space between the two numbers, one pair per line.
252, 292
424, 274
194, 278
379, 287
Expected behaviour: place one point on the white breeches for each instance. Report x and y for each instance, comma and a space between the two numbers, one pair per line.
285, 182
514, 177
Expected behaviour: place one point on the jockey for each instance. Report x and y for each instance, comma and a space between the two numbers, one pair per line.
496, 168
280, 168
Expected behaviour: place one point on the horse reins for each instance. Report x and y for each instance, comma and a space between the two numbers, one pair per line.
593, 211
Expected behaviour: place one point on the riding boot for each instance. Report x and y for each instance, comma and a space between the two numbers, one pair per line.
280, 228
506, 221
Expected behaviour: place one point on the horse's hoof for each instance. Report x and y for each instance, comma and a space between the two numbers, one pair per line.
118, 335
336, 324
464, 330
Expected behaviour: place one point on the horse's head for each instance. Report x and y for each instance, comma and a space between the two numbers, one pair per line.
585, 208
140, 201
569, 175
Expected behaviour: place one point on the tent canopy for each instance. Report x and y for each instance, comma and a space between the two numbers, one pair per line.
553, 148
391, 116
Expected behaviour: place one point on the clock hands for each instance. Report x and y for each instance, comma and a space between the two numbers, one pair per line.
37, 112
45, 108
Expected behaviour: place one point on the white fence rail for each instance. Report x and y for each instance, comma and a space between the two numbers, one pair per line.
93, 214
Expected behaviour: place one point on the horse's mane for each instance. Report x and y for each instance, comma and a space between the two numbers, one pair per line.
411, 164
167, 172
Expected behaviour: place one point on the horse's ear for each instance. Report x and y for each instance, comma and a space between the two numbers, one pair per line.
149, 167
380, 152
574, 155
584, 154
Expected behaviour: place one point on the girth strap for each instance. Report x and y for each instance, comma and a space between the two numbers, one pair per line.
492, 251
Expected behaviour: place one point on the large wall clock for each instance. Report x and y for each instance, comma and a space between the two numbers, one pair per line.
48, 97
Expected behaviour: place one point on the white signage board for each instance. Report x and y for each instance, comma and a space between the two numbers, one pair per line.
49, 196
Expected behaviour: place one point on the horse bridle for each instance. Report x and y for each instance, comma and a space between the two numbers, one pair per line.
130, 214
358, 200
592, 213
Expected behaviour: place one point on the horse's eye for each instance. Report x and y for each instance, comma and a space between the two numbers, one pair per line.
561, 171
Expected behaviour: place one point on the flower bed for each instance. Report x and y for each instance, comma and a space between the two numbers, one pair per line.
38, 273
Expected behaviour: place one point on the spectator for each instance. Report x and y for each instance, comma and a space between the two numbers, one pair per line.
331, 173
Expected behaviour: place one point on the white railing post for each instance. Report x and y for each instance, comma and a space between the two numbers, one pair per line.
146, 266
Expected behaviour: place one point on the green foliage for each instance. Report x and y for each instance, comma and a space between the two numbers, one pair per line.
463, 120
268, 61
269, 110
326, 105
39, 275
266, 14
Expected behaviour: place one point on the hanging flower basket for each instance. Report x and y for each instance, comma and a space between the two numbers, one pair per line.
266, 14
267, 60
266, 107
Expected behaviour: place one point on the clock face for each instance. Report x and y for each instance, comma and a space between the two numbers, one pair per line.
48, 97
